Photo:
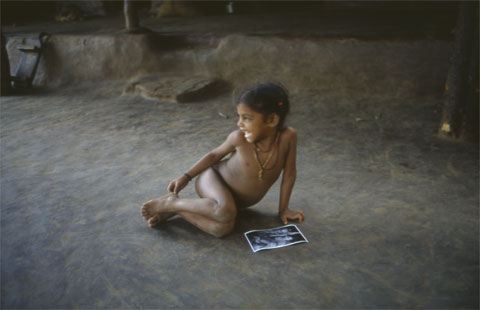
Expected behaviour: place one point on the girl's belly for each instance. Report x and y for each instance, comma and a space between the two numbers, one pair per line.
244, 184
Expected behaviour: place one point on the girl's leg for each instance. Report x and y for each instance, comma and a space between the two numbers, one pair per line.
214, 212
212, 227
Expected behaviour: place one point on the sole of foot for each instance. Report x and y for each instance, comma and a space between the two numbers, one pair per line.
153, 207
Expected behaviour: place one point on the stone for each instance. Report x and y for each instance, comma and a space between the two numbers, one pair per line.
174, 88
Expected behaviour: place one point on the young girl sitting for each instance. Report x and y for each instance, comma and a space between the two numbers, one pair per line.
259, 151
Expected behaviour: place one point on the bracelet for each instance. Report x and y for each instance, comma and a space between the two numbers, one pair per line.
188, 176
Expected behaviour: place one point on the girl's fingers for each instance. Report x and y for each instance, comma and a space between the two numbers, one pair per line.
172, 187
298, 216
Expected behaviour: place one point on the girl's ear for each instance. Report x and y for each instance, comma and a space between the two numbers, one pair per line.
273, 120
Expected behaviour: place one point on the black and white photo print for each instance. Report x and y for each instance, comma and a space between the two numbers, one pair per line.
274, 238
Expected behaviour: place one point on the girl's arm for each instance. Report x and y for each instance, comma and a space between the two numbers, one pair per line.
288, 181
206, 161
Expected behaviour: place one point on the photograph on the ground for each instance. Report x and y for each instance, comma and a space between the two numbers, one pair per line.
274, 238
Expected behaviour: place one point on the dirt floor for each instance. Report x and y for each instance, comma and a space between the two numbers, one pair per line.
392, 213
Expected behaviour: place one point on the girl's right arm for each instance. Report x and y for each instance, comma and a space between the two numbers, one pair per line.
206, 161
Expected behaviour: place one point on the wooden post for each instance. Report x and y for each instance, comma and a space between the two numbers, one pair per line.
6, 87
457, 120
131, 15
470, 127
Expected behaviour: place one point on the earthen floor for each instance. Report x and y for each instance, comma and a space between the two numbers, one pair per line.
391, 211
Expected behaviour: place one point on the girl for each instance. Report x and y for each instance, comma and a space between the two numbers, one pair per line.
260, 150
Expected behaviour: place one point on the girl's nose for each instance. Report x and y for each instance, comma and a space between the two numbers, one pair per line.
239, 123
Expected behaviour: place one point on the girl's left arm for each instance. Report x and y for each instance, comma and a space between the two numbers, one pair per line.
288, 181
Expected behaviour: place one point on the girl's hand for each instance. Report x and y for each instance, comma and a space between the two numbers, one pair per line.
291, 215
178, 184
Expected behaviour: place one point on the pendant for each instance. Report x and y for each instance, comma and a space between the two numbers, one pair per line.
260, 174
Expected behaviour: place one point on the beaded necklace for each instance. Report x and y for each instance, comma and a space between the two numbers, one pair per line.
261, 166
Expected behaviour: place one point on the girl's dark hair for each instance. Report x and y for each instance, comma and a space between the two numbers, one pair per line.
267, 98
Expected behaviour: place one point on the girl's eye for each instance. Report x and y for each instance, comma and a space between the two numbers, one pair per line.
244, 118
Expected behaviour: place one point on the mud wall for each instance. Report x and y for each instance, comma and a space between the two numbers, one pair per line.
72, 58
395, 67
418, 66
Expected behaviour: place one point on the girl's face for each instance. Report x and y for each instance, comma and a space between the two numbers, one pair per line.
252, 123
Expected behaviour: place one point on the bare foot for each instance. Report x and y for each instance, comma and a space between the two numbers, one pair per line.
159, 218
156, 207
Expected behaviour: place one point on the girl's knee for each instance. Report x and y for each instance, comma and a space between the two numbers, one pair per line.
226, 212
222, 229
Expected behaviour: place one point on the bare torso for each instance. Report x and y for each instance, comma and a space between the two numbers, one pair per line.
240, 169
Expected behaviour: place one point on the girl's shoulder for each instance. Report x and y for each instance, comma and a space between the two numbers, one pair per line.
288, 138
289, 133
236, 137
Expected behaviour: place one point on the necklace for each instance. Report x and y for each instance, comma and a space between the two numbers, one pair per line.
262, 151
261, 166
